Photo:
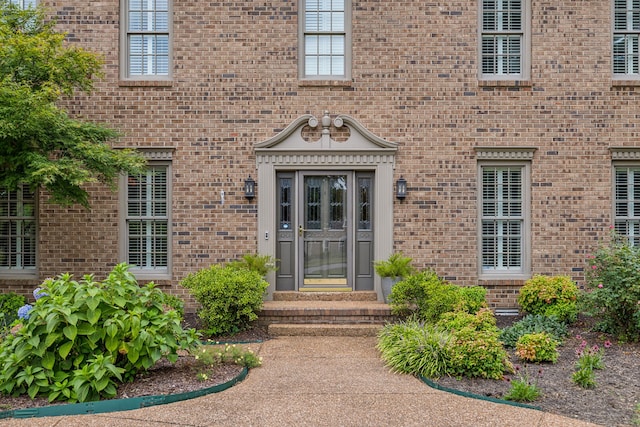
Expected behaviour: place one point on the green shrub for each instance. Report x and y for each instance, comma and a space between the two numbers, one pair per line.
429, 297
81, 338
478, 353
230, 297
414, 348
612, 293
469, 349
532, 323
523, 388
9, 305
261, 264
550, 296
483, 320
537, 347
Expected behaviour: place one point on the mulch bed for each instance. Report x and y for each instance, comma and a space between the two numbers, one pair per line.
612, 402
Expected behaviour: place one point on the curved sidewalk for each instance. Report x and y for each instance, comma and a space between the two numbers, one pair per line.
320, 381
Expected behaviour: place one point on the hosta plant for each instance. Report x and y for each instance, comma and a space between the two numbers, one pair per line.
81, 338
532, 323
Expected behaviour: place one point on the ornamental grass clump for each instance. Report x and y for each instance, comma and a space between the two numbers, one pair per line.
524, 387
411, 347
80, 339
555, 296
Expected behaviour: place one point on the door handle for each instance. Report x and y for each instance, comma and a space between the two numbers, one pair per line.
301, 231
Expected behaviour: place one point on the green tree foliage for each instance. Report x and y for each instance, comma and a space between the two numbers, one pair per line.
40, 145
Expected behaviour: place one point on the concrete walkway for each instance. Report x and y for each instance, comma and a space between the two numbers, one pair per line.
320, 381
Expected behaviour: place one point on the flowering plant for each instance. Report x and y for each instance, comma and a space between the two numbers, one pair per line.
589, 359
613, 288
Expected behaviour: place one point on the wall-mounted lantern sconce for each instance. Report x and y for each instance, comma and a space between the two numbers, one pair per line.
401, 188
249, 188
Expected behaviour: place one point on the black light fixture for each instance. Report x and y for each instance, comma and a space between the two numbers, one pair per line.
249, 188
401, 188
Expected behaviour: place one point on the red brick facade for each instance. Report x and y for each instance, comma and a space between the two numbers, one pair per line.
414, 82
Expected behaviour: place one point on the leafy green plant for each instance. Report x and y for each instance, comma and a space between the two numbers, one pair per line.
523, 388
262, 264
550, 296
532, 323
537, 347
9, 305
230, 297
483, 320
81, 338
589, 360
636, 417
612, 289
412, 347
397, 265
478, 353
429, 297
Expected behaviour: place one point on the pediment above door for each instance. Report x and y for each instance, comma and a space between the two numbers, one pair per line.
338, 134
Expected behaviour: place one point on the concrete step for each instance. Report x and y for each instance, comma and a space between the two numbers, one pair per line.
335, 312
325, 296
324, 329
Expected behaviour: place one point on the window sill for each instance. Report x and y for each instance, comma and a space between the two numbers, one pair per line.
142, 274
503, 276
505, 83
145, 83
326, 83
625, 83
18, 275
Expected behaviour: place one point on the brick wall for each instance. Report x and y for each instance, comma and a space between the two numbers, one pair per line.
414, 82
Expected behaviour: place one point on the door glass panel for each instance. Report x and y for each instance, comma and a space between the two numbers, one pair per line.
324, 230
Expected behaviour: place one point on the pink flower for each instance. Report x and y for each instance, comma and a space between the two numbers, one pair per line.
600, 285
578, 337
593, 267
607, 344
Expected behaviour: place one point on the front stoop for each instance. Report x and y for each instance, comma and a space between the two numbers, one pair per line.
324, 314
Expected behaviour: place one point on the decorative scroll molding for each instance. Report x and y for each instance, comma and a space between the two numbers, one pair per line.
505, 153
625, 153
360, 139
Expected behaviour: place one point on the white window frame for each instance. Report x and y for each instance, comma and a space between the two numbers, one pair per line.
125, 40
303, 36
19, 270
627, 199
524, 34
516, 157
626, 39
148, 271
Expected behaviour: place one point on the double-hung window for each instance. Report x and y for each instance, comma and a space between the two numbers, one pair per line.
504, 223
146, 39
325, 39
504, 39
147, 223
24, 4
17, 232
627, 202
626, 32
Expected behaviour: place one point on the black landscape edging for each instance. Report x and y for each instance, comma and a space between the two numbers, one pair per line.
117, 405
